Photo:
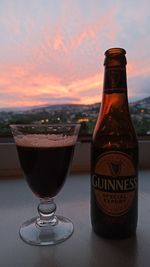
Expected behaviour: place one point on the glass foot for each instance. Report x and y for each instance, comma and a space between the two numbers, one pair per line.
42, 235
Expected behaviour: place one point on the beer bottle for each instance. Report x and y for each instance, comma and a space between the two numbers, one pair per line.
114, 156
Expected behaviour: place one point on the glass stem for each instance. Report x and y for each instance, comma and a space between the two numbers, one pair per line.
46, 210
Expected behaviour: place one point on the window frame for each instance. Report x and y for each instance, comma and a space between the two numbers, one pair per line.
10, 166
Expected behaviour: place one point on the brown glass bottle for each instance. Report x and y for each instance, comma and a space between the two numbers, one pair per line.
114, 156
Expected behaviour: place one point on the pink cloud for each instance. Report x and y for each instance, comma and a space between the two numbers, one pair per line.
63, 56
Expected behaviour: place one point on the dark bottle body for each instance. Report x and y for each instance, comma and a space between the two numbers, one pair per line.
114, 157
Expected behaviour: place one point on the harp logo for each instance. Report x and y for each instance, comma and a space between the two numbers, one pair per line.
115, 167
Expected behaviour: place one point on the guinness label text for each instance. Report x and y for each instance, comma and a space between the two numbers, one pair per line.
111, 184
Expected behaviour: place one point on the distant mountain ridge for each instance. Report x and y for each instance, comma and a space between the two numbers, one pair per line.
48, 107
144, 101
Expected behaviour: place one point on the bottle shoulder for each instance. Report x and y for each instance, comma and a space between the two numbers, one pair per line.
115, 130
116, 135
112, 141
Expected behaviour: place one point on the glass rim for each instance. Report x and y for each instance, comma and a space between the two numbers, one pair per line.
44, 125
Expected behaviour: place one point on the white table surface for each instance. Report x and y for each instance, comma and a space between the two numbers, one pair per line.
83, 248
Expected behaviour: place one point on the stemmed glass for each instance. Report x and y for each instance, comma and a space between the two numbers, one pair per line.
45, 153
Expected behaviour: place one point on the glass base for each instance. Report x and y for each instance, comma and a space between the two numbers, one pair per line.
33, 233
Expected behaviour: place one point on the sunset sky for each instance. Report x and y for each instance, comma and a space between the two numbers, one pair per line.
52, 51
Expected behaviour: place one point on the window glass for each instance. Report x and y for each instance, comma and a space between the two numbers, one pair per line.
52, 53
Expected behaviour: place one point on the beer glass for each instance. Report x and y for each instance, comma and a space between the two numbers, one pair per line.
45, 153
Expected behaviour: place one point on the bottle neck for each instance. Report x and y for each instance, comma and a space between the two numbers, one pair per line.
115, 90
115, 80
114, 112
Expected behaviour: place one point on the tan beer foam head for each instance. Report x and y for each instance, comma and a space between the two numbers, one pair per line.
45, 140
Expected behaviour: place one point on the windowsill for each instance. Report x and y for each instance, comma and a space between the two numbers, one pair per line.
9, 163
83, 248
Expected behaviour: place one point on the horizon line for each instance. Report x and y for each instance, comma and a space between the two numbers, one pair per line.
61, 104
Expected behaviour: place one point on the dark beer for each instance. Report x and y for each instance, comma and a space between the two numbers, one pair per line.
46, 167
114, 156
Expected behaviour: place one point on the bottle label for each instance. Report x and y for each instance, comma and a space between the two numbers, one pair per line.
114, 182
